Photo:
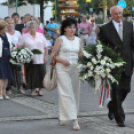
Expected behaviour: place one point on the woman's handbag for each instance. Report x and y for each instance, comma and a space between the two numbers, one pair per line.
49, 81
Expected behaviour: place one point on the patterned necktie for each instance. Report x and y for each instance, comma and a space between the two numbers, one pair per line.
120, 32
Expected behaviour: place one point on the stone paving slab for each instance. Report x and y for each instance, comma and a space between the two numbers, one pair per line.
47, 126
11, 109
106, 126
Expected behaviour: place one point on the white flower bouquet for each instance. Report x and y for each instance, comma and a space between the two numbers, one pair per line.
100, 65
22, 56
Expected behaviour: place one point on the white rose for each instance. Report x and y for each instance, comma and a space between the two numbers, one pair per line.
91, 68
13, 54
106, 58
118, 64
86, 76
98, 72
94, 61
28, 60
90, 73
23, 51
103, 75
86, 54
108, 70
97, 68
108, 64
99, 56
89, 64
112, 66
103, 62
99, 46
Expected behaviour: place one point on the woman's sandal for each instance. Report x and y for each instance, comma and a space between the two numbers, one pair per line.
76, 125
62, 123
40, 93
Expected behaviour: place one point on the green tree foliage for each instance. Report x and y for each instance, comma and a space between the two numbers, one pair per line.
84, 6
109, 3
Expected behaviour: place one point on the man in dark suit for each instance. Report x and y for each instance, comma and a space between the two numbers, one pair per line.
119, 34
20, 27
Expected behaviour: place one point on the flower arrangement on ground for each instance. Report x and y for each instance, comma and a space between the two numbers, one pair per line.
101, 65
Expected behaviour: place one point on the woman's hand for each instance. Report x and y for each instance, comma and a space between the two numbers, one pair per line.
45, 60
66, 63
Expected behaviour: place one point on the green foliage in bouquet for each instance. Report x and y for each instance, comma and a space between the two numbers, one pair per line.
36, 51
107, 51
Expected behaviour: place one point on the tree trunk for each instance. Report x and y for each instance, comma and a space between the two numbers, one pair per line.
42, 11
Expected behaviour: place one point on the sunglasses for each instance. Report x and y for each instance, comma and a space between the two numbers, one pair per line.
92, 20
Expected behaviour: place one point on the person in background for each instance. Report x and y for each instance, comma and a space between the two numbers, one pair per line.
1, 19
16, 18
21, 27
6, 71
93, 35
49, 40
107, 20
85, 29
41, 24
22, 20
80, 19
36, 71
55, 35
51, 26
67, 73
35, 19
7, 17
47, 35
15, 36
130, 19
47, 23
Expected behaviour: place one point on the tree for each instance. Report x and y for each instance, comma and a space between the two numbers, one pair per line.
84, 6
109, 3
40, 2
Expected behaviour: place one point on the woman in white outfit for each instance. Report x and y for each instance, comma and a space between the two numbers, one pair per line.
93, 34
68, 46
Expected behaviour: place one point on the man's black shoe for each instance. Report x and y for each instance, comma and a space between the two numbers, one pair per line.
110, 114
121, 124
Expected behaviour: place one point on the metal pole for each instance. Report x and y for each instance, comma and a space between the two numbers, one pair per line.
16, 5
55, 11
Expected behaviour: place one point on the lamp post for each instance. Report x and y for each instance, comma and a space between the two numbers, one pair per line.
16, 5
55, 11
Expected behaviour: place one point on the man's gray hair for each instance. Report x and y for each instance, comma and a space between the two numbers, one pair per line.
113, 7
27, 15
31, 23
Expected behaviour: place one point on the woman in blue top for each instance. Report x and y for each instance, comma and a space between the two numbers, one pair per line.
51, 26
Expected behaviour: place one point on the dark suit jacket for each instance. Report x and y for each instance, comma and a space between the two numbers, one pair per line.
109, 35
19, 27
79, 20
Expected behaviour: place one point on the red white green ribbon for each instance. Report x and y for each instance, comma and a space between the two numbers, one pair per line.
105, 92
23, 74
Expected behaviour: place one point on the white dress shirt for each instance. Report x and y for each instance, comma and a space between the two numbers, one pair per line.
116, 25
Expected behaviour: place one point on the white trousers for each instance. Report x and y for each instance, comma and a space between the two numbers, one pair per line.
85, 39
68, 92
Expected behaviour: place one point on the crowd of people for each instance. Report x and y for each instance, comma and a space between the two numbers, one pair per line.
31, 34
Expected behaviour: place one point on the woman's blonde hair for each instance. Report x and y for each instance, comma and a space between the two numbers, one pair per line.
92, 18
35, 19
9, 20
3, 24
